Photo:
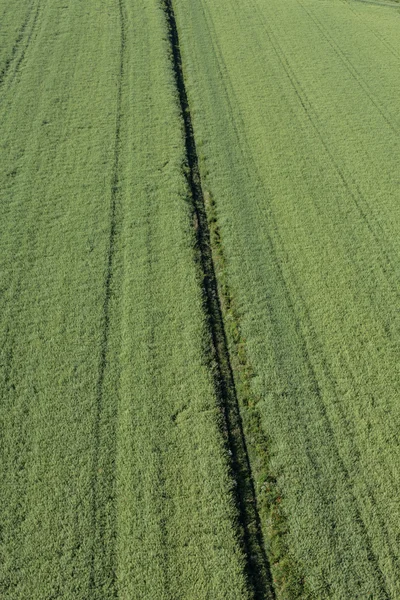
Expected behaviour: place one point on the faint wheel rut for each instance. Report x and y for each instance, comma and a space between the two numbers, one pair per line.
14, 61
257, 565
377, 3
102, 579
373, 226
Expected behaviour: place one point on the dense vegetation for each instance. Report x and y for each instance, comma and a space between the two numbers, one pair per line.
127, 470
115, 477
297, 123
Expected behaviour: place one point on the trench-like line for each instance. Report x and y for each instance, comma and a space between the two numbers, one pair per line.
257, 565
100, 588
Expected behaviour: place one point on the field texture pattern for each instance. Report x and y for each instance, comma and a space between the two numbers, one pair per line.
115, 477
199, 300
295, 109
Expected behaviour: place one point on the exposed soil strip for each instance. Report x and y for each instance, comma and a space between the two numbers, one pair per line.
102, 581
258, 568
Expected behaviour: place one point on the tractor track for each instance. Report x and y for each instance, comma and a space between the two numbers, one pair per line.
257, 564
102, 579
14, 61
377, 3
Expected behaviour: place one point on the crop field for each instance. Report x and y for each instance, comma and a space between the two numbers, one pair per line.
199, 300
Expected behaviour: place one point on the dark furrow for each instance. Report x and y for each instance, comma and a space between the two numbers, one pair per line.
103, 584
257, 565
287, 573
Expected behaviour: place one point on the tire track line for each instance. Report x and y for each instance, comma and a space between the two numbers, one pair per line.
379, 37
316, 206
99, 542
349, 67
375, 3
305, 351
316, 389
7, 75
274, 244
18, 40
351, 186
257, 566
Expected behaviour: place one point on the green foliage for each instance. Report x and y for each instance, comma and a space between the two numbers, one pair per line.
115, 478
294, 110
16, 20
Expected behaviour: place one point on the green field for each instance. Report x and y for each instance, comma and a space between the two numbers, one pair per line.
199, 300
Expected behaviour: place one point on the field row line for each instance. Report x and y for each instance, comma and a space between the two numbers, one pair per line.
257, 565
374, 227
376, 3
275, 243
7, 75
379, 37
349, 67
100, 544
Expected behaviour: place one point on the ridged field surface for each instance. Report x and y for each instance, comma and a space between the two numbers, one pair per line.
115, 478
295, 108
199, 300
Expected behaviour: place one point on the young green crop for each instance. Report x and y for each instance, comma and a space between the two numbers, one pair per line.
116, 480
115, 477
16, 20
297, 122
